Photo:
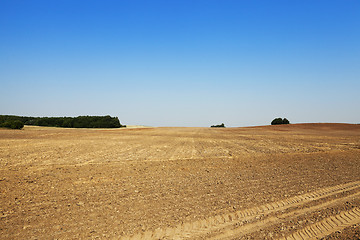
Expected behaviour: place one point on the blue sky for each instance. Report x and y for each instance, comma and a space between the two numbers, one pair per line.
182, 63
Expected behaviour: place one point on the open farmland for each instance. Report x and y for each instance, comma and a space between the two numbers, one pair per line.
290, 181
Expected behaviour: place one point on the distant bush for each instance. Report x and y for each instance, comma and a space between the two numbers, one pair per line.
285, 121
278, 121
69, 122
217, 126
13, 124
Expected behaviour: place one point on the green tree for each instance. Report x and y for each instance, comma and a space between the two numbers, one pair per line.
278, 121
16, 124
285, 121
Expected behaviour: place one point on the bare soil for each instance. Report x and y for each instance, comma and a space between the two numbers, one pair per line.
297, 181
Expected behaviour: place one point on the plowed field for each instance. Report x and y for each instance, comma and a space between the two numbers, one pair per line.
298, 181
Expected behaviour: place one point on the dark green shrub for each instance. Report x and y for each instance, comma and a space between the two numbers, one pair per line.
217, 126
17, 124
6, 124
13, 124
68, 123
285, 121
278, 121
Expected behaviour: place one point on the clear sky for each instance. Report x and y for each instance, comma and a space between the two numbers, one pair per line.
182, 62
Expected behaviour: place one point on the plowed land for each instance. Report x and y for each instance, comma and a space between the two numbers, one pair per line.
298, 181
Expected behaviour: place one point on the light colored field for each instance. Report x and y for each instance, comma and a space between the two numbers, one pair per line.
295, 181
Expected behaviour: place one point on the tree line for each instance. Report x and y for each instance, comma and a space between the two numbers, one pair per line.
68, 122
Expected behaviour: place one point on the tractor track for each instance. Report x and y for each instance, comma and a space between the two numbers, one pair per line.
240, 223
327, 226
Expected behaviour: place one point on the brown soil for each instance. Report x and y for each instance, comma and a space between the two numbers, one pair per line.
272, 182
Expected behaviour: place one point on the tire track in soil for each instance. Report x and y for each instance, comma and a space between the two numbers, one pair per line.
327, 226
253, 226
227, 226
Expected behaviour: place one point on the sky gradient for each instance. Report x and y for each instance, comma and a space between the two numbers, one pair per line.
182, 63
